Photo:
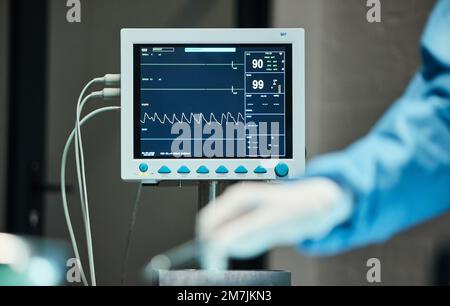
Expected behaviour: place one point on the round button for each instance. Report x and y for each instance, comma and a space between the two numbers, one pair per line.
282, 170
143, 167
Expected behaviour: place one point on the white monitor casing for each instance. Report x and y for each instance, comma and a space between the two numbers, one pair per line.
130, 166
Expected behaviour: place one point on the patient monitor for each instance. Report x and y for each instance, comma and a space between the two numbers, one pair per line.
212, 104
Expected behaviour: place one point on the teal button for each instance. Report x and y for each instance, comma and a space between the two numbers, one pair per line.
282, 170
260, 170
184, 170
222, 170
143, 168
241, 170
164, 170
203, 170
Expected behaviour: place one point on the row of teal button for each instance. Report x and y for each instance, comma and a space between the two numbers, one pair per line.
204, 170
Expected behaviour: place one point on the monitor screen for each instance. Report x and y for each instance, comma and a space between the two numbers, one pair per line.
213, 101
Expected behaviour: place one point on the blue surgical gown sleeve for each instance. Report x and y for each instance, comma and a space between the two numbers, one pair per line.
399, 174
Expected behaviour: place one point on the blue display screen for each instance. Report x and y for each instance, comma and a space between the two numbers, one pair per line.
213, 101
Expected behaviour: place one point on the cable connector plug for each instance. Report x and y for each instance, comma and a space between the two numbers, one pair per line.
107, 93
112, 79
107, 80
110, 93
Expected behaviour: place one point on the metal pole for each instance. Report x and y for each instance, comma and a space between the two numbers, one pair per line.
212, 192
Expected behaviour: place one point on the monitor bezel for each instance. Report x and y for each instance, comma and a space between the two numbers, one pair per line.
130, 164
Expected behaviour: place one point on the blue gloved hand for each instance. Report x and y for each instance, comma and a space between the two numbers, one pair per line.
250, 219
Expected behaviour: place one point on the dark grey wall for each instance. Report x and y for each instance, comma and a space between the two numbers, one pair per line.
3, 104
355, 71
79, 52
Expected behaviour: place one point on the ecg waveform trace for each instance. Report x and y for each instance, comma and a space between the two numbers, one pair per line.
201, 85
225, 118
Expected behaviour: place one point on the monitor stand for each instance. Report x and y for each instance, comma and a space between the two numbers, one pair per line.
207, 193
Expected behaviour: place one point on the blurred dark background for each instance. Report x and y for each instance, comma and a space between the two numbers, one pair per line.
355, 70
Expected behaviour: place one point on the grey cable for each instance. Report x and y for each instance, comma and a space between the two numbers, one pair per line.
81, 183
130, 234
81, 171
63, 184
110, 80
